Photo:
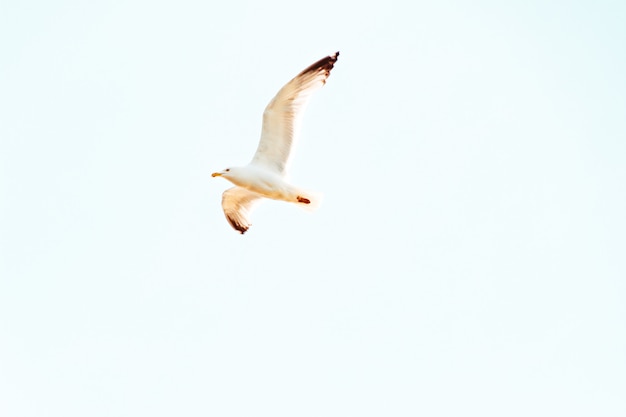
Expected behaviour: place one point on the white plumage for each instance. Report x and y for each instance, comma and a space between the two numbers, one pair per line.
264, 176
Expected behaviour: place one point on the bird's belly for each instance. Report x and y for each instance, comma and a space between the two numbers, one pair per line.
275, 189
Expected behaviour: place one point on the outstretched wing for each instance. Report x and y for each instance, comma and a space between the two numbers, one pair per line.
282, 116
238, 203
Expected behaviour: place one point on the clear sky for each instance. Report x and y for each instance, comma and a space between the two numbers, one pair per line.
468, 258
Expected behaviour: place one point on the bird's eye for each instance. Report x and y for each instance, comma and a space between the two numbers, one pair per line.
227, 169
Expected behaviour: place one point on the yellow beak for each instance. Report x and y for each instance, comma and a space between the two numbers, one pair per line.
216, 174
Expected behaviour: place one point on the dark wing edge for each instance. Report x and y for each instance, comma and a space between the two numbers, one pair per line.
325, 64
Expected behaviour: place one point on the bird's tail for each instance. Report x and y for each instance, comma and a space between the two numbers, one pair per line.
309, 200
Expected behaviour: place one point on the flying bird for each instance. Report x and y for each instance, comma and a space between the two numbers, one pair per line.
265, 176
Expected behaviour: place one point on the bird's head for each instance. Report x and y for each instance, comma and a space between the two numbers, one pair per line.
223, 173
236, 175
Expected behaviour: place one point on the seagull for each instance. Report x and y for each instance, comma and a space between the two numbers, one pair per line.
265, 176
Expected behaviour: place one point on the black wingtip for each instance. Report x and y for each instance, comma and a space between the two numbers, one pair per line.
237, 226
325, 64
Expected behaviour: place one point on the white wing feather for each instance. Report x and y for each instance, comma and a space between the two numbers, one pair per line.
282, 116
238, 203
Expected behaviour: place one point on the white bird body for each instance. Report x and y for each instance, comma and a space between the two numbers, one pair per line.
264, 176
262, 181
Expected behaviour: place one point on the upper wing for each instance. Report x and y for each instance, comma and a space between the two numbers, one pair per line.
238, 203
282, 116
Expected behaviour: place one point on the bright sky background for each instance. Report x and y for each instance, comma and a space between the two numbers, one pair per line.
468, 259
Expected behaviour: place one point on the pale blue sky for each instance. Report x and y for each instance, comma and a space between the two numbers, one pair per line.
468, 259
